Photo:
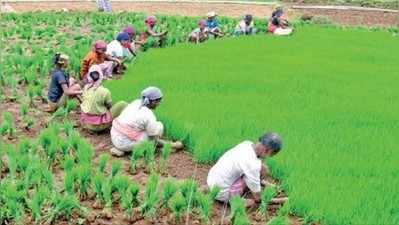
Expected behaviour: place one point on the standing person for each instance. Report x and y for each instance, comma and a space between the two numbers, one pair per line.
118, 48
245, 26
241, 167
200, 34
213, 25
278, 24
137, 123
104, 6
150, 23
97, 108
62, 86
97, 56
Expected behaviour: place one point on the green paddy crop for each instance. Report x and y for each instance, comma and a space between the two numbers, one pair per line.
330, 92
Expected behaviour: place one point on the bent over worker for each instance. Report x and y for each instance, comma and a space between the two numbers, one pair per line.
241, 168
137, 123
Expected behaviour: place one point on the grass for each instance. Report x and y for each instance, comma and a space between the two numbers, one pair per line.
330, 93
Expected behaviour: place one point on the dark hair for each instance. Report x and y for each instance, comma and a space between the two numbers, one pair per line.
56, 59
272, 140
94, 75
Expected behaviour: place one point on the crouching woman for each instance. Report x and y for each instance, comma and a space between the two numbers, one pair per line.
97, 109
137, 123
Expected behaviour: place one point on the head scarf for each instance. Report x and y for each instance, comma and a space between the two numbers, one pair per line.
149, 94
90, 82
129, 30
100, 44
123, 37
151, 20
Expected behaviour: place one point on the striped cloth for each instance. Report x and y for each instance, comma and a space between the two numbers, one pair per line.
104, 5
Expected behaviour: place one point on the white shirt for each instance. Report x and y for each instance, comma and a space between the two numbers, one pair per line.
115, 49
240, 161
138, 118
242, 26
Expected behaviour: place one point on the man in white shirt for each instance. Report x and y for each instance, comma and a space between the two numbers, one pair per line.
241, 167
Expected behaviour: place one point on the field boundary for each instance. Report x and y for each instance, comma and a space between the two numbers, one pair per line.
155, 1
343, 7
268, 3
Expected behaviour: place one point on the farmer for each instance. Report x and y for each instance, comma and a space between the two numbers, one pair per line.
199, 34
104, 6
97, 56
278, 24
150, 23
245, 26
213, 25
97, 109
61, 85
118, 49
241, 167
137, 123
131, 46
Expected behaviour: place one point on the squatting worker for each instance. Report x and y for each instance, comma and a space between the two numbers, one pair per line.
97, 108
137, 123
62, 86
98, 56
241, 168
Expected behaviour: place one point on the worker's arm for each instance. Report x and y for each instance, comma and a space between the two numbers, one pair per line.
114, 59
69, 91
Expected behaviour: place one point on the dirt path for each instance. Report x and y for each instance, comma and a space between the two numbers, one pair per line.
345, 17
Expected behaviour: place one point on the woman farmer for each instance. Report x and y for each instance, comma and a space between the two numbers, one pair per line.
213, 25
118, 49
278, 24
97, 109
62, 86
131, 46
150, 23
200, 34
137, 123
97, 56
245, 26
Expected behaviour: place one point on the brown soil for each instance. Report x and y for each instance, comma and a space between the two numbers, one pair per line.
345, 17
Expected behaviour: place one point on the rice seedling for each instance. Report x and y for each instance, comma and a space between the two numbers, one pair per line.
7, 125
279, 220
238, 212
12, 200
69, 182
267, 195
108, 197
170, 187
177, 205
129, 199
120, 183
37, 202
189, 188
68, 128
83, 176
151, 196
204, 203
63, 205
98, 181
149, 154
137, 154
165, 154
115, 167
102, 162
